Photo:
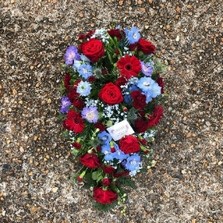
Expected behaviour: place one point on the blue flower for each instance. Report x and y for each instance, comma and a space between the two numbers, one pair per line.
85, 70
71, 55
147, 68
133, 164
104, 137
84, 88
145, 83
132, 35
127, 98
90, 114
118, 154
65, 104
133, 88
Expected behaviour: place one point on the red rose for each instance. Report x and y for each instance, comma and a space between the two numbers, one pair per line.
146, 46
108, 169
161, 84
141, 125
93, 49
90, 160
106, 182
116, 33
104, 196
129, 66
111, 94
139, 100
156, 116
129, 144
74, 122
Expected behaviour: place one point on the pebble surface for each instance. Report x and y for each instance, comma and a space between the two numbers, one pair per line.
186, 184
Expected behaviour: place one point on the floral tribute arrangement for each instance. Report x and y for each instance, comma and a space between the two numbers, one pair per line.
111, 104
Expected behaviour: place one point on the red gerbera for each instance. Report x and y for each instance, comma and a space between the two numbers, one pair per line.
129, 66
74, 122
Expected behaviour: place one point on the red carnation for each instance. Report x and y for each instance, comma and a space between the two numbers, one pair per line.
104, 196
74, 122
146, 46
87, 35
120, 81
90, 160
129, 66
156, 116
139, 100
141, 125
161, 84
100, 126
108, 169
66, 81
116, 33
129, 144
93, 49
111, 94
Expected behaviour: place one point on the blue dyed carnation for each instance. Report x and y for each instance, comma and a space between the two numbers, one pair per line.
132, 35
84, 88
65, 104
133, 164
85, 70
71, 55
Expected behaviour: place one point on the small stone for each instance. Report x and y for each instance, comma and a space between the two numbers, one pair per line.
55, 189
150, 1
177, 38
178, 9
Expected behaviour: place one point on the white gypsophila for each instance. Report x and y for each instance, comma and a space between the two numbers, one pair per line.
91, 103
102, 34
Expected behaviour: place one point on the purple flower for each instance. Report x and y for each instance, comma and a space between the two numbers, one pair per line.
90, 114
147, 69
65, 104
71, 54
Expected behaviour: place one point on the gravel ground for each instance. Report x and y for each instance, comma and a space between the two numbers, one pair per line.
187, 183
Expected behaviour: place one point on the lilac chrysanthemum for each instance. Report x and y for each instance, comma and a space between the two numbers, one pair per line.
84, 88
132, 35
90, 114
71, 54
65, 104
147, 69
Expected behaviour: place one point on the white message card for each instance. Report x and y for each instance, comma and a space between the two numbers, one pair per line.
120, 130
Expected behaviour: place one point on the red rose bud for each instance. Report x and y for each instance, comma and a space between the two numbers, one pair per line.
90, 160
111, 94
113, 149
141, 125
146, 46
79, 179
116, 33
106, 182
100, 126
129, 144
76, 145
93, 49
104, 196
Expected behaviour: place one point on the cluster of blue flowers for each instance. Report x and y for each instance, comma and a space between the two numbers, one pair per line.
112, 153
